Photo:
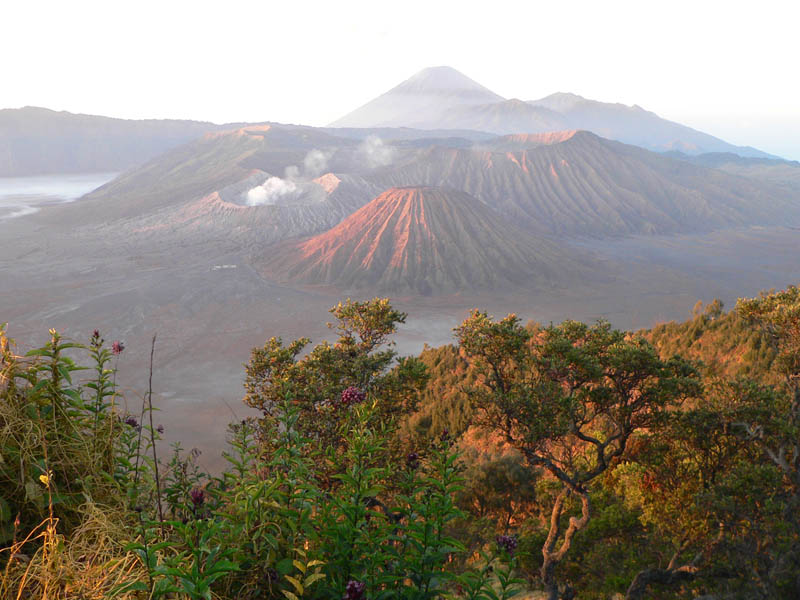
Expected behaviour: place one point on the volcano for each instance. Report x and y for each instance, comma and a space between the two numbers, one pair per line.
420, 101
422, 240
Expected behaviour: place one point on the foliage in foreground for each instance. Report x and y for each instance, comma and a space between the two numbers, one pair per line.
89, 510
583, 459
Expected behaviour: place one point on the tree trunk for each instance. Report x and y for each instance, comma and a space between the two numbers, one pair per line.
552, 557
547, 573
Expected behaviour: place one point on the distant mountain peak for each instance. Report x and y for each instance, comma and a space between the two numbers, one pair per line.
444, 80
422, 98
566, 96
560, 101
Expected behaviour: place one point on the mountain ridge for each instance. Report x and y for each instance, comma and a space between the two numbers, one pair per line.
36, 140
424, 101
584, 185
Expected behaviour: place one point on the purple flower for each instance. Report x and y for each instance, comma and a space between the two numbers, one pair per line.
198, 496
354, 590
412, 461
96, 341
117, 347
507, 543
352, 395
445, 435
131, 420
160, 428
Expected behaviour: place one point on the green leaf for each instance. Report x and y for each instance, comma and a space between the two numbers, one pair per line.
313, 578
284, 567
315, 563
300, 566
297, 585
39, 352
74, 394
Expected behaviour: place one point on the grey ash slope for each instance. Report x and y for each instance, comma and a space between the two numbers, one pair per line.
783, 173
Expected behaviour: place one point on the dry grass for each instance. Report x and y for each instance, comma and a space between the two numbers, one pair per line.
88, 565
67, 540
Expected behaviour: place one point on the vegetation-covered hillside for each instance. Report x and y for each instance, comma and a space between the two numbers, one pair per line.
568, 461
725, 343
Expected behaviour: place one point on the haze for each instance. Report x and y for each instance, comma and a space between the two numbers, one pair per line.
722, 67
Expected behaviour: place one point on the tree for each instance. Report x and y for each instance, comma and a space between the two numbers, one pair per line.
361, 363
698, 485
775, 426
569, 398
498, 487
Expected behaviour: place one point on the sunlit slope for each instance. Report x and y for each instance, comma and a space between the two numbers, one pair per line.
422, 240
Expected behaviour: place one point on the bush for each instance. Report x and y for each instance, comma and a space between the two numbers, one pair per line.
87, 510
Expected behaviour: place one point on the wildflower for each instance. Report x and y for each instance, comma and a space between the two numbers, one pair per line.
96, 341
46, 477
352, 395
507, 543
160, 428
131, 420
445, 435
354, 590
412, 461
117, 347
198, 496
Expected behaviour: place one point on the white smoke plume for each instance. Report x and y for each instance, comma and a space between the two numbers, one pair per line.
375, 153
316, 162
275, 188
292, 173
270, 191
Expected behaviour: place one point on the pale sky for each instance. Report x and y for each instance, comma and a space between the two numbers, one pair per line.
729, 68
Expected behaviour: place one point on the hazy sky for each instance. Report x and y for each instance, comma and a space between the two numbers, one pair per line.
729, 68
